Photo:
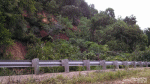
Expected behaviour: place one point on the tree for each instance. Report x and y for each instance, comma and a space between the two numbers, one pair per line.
28, 5
130, 20
85, 10
99, 21
68, 2
110, 12
117, 45
52, 7
5, 35
12, 10
130, 35
83, 28
147, 32
72, 12
93, 11
38, 6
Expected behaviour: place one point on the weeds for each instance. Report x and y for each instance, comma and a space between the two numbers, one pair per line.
94, 77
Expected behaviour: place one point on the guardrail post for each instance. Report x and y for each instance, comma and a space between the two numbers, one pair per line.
87, 64
140, 63
125, 63
66, 65
134, 64
35, 64
146, 63
115, 63
103, 64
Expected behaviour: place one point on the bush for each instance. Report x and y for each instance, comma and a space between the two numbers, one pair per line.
141, 55
60, 49
64, 21
16, 71
118, 46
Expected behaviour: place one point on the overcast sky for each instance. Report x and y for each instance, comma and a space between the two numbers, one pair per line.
123, 8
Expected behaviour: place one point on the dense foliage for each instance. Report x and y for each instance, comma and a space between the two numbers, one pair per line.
87, 34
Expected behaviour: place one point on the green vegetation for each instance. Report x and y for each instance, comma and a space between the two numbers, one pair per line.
97, 77
70, 29
100, 77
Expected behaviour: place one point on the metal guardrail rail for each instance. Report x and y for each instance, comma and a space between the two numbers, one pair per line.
36, 63
15, 63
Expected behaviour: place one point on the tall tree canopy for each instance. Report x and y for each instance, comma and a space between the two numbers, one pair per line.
130, 20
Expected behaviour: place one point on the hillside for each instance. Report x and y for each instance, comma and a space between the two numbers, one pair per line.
68, 29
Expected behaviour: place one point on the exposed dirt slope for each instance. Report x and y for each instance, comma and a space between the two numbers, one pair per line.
18, 51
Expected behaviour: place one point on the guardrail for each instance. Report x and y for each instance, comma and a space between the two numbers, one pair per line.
36, 63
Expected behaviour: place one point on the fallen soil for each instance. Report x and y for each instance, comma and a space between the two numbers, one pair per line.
41, 77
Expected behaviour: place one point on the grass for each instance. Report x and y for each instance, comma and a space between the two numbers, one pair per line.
96, 77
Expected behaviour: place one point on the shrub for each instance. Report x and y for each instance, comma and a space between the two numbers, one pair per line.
60, 49
118, 46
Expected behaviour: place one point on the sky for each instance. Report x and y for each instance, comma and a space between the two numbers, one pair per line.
139, 8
